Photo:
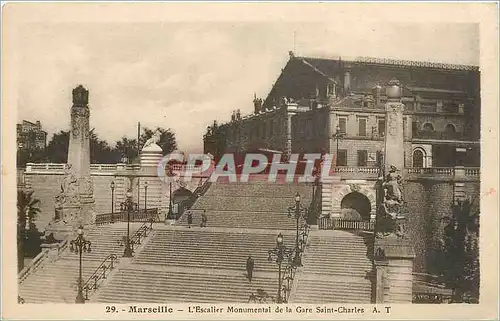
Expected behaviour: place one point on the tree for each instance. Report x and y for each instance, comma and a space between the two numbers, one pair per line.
28, 236
100, 151
57, 148
461, 252
167, 139
126, 148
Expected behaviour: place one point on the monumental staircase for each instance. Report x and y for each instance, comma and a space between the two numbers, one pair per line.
176, 263
337, 268
56, 279
251, 205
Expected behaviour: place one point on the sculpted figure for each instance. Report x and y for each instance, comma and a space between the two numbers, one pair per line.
69, 188
391, 206
155, 139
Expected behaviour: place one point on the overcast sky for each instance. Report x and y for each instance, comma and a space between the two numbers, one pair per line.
184, 75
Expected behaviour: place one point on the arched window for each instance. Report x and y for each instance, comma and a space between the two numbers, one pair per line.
450, 128
418, 158
428, 127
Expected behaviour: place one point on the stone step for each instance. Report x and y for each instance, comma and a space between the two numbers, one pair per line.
162, 286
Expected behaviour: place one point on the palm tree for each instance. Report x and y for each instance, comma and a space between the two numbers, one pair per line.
27, 210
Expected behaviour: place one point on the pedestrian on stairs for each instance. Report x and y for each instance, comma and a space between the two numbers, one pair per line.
204, 219
190, 218
249, 268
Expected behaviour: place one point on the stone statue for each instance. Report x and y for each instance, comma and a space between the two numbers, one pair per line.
155, 139
390, 209
69, 188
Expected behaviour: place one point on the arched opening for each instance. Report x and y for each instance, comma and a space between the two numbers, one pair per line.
418, 158
355, 206
450, 129
179, 199
428, 127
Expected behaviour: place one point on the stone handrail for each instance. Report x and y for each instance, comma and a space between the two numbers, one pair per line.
103, 167
30, 268
40, 260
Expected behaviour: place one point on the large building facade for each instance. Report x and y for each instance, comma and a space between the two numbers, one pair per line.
31, 136
337, 106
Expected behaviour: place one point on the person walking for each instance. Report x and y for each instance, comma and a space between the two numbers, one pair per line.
190, 218
204, 219
250, 264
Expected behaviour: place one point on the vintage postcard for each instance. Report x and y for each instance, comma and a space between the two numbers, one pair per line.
250, 160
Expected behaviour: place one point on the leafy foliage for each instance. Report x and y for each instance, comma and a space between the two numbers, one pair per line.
100, 151
28, 236
167, 139
460, 267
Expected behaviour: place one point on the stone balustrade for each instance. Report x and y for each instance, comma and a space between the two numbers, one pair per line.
346, 172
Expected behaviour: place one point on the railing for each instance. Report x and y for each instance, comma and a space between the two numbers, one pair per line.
188, 203
103, 167
141, 233
326, 223
444, 171
472, 171
315, 206
29, 269
430, 289
39, 260
136, 216
99, 275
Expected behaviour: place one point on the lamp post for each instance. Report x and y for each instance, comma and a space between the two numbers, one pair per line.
169, 215
80, 245
338, 135
298, 211
112, 185
128, 206
145, 195
281, 253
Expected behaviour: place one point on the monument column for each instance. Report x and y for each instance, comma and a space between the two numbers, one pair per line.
394, 253
74, 205
79, 153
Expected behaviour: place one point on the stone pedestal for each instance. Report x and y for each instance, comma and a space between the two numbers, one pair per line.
394, 270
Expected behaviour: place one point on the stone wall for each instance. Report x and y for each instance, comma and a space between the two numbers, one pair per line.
428, 202
46, 185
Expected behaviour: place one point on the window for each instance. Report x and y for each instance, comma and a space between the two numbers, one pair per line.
450, 128
362, 126
414, 127
342, 125
428, 127
418, 158
381, 127
342, 157
362, 157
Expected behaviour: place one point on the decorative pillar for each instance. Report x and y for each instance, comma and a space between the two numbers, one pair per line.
151, 156
394, 253
74, 205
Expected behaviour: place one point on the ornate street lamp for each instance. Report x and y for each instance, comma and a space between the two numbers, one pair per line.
80, 245
281, 253
145, 196
128, 206
338, 135
298, 211
112, 185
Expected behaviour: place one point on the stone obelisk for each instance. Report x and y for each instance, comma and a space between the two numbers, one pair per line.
79, 154
394, 254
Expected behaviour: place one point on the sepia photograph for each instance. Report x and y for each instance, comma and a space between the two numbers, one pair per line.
241, 166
